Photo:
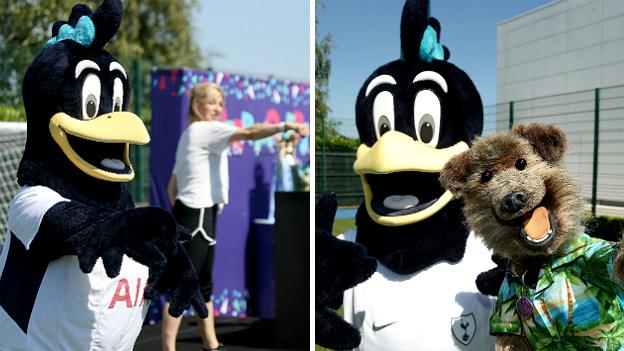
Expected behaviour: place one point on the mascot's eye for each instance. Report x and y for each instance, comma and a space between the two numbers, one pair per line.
384, 125
91, 106
486, 176
521, 164
426, 129
91, 89
117, 94
383, 113
427, 117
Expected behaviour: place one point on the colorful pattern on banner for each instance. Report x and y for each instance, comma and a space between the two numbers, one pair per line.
251, 166
248, 101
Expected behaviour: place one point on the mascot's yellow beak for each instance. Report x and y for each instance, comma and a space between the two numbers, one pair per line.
397, 152
100, 146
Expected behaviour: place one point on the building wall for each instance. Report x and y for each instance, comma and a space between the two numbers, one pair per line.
564, 46
549, 62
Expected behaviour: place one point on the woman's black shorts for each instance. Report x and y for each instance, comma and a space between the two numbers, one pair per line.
202, 223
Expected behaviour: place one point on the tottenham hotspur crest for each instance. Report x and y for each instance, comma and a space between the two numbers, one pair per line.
464, 328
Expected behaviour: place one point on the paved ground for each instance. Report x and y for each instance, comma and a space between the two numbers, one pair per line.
237, 334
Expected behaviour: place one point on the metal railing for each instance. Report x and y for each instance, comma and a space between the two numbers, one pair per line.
339, 177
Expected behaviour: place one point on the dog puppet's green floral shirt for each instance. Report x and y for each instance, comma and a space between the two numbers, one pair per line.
576, 305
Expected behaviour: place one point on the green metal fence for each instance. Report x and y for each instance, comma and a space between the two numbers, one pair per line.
339, 177
139, 186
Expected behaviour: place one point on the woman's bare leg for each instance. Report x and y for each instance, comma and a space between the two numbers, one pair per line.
169, 331
207, 328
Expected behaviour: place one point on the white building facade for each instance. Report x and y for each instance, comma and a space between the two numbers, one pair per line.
549, 62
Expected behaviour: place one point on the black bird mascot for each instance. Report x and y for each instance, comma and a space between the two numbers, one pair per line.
80, 258
413, 114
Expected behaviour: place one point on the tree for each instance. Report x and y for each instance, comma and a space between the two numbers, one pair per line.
326, 129
157, 32
322, 71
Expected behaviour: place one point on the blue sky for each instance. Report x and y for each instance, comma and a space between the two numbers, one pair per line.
366, 36
257, 37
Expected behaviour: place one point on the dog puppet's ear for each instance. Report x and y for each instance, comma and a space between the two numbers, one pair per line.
548, 141
455, 172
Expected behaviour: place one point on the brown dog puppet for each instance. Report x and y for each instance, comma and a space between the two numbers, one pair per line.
562, 289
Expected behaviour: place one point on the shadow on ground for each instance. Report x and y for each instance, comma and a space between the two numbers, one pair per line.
237, 334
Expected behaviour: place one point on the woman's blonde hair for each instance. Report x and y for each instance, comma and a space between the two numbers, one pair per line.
201, 93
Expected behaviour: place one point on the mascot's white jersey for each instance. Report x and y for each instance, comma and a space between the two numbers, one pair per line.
54, 305
438, 308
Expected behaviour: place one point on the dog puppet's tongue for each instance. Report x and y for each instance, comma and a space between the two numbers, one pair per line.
537, 225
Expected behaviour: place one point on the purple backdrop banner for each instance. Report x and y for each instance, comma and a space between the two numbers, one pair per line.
251, 163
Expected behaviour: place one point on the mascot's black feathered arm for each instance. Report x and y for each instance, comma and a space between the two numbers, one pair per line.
91, 233
339, 265
149, 235
79, 132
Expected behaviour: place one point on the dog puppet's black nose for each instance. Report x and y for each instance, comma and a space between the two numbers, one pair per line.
514, 202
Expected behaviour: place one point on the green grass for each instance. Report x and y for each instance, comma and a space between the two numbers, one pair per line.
319, 348
343, 225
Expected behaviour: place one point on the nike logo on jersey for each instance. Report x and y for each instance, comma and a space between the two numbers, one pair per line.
380, 327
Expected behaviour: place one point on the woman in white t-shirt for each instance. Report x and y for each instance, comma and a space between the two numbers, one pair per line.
198, 189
